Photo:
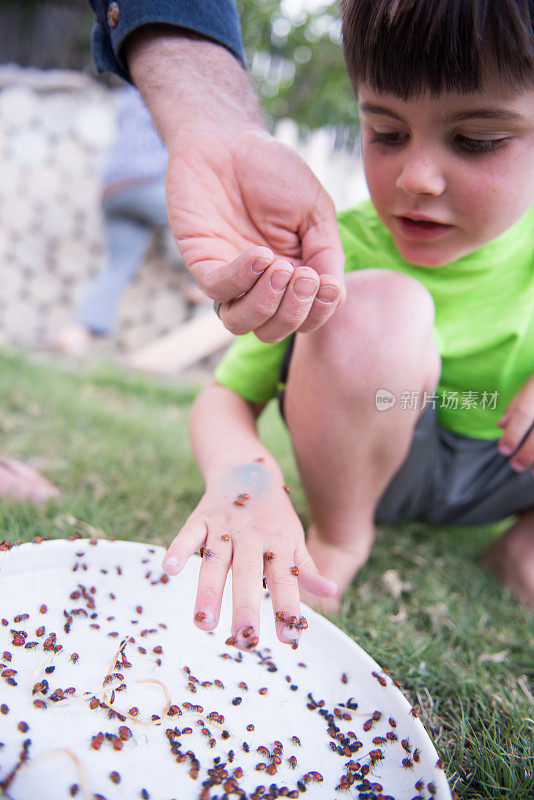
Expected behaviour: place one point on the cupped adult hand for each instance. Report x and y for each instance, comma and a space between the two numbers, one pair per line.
227, 194
255, 227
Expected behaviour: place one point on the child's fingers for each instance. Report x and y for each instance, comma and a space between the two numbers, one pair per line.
281, 575
516, 429
190, 538
310, 579
216, 560
247, 585
520, 414
524, 457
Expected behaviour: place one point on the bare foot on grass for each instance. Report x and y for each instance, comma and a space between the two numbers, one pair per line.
337, 562
74, 340
511, 558
18, 481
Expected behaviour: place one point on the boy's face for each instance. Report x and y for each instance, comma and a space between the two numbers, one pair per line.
448, 173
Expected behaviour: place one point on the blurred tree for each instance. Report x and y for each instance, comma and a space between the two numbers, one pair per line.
295, 55
45, 33
298, 64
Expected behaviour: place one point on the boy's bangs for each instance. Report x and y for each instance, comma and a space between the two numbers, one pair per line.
406, 47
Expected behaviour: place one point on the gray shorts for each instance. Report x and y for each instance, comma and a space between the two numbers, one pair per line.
450, 479
447, 478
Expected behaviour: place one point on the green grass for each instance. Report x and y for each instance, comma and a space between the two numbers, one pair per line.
463, 649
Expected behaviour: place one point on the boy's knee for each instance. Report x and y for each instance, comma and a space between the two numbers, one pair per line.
383, 309
386, 322
383, 304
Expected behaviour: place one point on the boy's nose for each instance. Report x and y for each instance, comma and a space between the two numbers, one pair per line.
421, 174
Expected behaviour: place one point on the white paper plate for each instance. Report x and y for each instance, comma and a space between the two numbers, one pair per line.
98, 594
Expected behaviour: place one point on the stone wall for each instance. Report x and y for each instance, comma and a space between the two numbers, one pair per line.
54, 129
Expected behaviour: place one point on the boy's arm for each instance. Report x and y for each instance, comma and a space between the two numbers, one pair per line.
245, 520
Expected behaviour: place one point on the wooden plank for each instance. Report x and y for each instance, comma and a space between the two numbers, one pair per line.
183, 347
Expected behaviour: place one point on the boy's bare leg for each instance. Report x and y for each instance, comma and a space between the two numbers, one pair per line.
511, 557
347, 450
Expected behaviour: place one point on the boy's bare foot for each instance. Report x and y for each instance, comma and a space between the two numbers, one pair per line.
20, 482
74, 340
511, 558
338, 562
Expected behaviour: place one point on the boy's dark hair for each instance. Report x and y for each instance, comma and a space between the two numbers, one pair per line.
405, 47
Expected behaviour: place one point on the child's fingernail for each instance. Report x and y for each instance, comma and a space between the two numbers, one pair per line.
517, 466
332, 586
171, 564
280, 279
246, 637
327, 294
261, 263
504, 449
304, 288
289, 634
206, 617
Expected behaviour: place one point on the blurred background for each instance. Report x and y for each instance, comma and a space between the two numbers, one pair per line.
58, 120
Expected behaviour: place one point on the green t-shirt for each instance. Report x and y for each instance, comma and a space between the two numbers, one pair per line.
484, 323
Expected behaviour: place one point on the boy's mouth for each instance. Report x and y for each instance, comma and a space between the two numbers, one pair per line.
421, 228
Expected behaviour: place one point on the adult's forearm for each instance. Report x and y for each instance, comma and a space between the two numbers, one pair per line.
189, 83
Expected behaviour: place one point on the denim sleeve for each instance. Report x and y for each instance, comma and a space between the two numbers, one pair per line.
214, 19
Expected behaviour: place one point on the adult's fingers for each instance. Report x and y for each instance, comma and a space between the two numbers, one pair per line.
261, 302
294, 307
303, 315
225, 281
216, 560
189, 539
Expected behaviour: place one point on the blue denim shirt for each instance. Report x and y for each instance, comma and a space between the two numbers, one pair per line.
137, 151
213, 19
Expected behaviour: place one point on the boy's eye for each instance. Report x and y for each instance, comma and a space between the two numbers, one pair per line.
478, 146
391, 138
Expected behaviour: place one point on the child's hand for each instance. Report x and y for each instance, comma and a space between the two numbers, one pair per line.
516, 421
245, 520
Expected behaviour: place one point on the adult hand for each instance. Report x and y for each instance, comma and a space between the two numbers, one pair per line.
517, 420
255, 227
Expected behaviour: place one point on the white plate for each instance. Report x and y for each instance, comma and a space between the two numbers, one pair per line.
118, 587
